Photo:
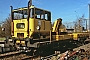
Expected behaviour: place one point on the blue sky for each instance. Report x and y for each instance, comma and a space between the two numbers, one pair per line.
68, 10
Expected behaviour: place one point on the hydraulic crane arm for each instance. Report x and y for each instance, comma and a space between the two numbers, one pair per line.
57, 25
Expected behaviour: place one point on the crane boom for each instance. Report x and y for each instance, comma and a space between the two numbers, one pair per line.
57, 25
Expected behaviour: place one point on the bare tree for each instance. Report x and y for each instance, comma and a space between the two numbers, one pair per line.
79, 24
0, 31
7, 26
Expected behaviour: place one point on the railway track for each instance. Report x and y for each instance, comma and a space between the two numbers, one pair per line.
17, 55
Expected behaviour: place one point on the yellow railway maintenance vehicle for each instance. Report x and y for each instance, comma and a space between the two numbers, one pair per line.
39, 22
27, 30
31, 28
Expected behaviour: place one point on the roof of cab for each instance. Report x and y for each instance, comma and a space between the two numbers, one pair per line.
25, 8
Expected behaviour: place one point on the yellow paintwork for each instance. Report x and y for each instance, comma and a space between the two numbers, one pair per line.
56, 25
32, 26
33, 23
25, 8
80, 35
22, 42
20, 30
73, 36
44, 27
26, 26
17, 41
61, 37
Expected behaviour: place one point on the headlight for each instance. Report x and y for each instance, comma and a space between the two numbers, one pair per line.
22, 26
18, 47
10, 39
26, 51
38, 27
24, 48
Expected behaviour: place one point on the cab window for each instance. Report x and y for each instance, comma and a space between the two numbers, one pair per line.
22, 14
42, 14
